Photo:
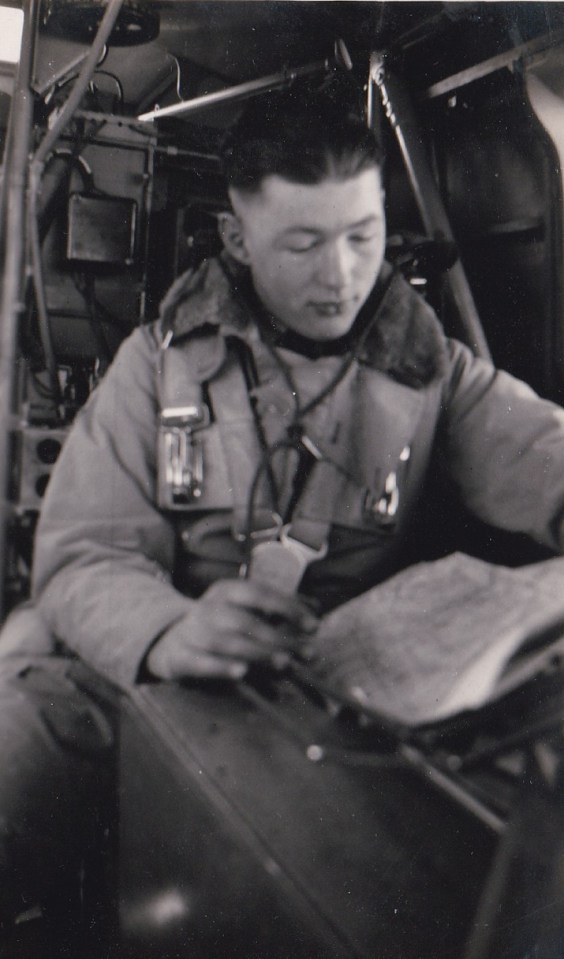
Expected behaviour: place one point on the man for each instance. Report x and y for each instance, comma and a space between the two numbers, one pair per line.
252, 459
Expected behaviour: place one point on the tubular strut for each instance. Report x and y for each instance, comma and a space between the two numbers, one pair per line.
401, 115
13, 264
24, 177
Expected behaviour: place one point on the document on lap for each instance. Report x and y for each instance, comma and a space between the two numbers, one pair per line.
442, 637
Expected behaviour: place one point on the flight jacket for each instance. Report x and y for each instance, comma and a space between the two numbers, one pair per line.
113, 570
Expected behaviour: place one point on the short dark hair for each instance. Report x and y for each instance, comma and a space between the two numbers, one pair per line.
302, 135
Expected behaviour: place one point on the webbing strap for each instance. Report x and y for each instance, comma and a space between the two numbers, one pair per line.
314, 511
179, 381
183, 414
242, 447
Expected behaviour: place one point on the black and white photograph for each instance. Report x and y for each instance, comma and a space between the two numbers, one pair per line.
281, 479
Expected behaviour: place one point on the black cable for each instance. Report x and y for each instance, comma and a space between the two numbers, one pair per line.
43, 391
246, 359
101, 308
40, 298
86, 289
266, 463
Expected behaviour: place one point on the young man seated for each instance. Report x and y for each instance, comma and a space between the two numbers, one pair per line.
252, 459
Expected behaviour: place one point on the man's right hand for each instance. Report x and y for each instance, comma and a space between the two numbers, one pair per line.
234, 624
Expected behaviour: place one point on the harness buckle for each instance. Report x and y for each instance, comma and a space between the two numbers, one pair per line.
307, 554
181, 455
384, 507
263, 534
283, 561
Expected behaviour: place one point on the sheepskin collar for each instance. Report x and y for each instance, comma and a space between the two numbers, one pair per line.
405, 339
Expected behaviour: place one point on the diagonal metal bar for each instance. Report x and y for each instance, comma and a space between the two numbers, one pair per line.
400, 112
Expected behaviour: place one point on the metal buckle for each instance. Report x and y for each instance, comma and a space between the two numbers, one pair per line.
388, 504
384, 507
282, 562
183, 455
306, 553
266, 535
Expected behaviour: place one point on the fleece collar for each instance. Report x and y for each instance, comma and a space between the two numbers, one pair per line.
405, 340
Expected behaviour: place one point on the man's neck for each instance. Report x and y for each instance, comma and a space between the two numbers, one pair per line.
278, 335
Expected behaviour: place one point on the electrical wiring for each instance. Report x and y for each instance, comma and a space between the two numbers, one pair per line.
101, 308
85, 286
34, 241
43, 391
77, 159
178, 78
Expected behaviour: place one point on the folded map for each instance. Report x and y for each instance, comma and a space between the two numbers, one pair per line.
441, 637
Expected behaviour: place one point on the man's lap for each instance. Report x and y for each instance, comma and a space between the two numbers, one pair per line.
57, 735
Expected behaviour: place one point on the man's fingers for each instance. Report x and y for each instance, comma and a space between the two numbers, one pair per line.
207, 666
265, 601
235, 623
198, 663
249, 637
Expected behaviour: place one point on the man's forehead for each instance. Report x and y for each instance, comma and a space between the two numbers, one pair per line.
361, 191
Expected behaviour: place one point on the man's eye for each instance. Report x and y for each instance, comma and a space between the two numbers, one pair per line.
301, 247
361, 238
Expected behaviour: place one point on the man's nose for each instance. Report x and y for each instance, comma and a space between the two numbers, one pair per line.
335, 265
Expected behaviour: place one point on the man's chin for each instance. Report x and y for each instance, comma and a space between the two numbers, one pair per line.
325, 328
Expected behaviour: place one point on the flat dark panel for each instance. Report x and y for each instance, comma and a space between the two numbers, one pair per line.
101, 229
253, 850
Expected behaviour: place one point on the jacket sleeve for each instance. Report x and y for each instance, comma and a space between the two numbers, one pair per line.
104, 553
505, 449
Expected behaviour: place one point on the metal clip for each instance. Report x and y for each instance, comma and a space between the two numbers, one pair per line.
264, 534
181, 456
388, 504
384, 507
307, 554
283, 562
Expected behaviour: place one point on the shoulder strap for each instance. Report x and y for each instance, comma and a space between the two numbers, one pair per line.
244, 448
201, 381
183, 412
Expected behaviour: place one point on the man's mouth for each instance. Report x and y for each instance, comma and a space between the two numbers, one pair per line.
331, 308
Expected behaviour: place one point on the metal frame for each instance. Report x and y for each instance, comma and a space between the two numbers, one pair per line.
14, 257
20, 232
399, 110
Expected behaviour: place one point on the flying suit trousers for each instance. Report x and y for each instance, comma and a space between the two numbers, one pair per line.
58, 722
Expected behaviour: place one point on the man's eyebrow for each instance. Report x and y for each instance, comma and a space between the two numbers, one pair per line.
366, 221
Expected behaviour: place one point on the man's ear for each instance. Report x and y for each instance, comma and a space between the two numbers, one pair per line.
232, 234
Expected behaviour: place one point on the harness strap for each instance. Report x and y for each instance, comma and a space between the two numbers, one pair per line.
189, 385
244, 448
183, 413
